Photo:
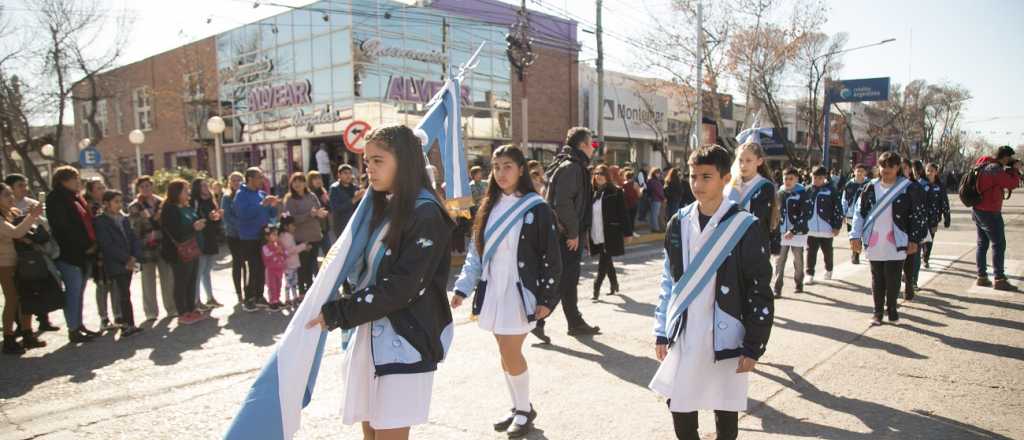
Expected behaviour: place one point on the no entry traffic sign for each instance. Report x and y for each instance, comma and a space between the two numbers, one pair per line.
354, 135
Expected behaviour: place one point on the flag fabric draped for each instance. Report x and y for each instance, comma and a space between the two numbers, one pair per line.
272, 409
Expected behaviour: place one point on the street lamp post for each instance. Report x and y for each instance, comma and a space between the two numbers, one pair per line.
826, 141
216, 126
137, 137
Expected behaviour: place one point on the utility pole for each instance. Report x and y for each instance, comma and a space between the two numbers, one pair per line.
698, 123
600, 77
520, 54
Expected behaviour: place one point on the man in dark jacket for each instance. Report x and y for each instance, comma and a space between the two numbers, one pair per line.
999, 174
569, 194
340, 200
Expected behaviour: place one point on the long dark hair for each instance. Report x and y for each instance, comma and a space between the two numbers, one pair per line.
524, 186
410, 178
174, 190
919, 172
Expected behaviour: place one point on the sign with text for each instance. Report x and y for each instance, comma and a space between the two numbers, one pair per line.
419, 90
268, 97
856, 90
89, 157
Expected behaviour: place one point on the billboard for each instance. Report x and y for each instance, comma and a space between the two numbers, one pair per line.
856, 90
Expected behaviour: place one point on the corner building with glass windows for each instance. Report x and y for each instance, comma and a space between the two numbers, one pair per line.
291, 84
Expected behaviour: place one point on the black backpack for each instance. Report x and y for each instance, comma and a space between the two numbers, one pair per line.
968, 192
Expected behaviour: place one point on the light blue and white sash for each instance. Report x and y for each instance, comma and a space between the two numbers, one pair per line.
496, 232
273, 407
890, 197
705, 263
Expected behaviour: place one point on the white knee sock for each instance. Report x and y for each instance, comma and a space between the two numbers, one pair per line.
511, 389
521, 394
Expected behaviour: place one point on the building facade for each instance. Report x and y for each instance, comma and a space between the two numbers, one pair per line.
291, 84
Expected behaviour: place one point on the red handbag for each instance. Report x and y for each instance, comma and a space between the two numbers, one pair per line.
188, 250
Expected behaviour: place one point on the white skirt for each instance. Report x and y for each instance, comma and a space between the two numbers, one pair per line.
502, 312
386, 402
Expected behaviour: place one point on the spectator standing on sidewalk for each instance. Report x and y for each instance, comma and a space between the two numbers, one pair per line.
24, 203
253, 209
72, 228
144, 214
121, 252
631, 195
227, 203
205, 206
569, 193
999, 175
673, 191
656, 199
342, 200
181, 226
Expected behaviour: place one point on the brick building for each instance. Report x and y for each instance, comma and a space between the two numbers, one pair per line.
290, 84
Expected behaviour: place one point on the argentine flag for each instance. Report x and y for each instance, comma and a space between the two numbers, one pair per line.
272, 409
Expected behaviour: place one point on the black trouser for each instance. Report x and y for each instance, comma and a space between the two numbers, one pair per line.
254, 284
567, 286
911, 268
813, 244
121, 288
726, 423
631, 218
926, 248
885, 286
605, 267
307, 268
237, 264
185, 277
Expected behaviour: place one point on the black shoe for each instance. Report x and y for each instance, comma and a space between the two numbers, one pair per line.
46, 326
894, 318
11, 346
77, 337
503, 425
597, 294
273, 307
856, 258
778, 294
1004, 285
539, 333
250, 306
516, 430
129, 330
29, 340
262, 303
983, 282
584, 330
88, 332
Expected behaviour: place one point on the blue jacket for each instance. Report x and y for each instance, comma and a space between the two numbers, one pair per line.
850, 193
826, 210
339, 200
227, 203
251, 215
116, 246
908, 215
795, 210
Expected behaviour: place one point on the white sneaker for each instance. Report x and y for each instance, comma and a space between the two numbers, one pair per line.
828, 276
810, 280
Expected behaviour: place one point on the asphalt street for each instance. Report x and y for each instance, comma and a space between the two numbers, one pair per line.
952, 369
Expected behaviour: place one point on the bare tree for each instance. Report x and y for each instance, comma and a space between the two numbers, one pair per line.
817, 61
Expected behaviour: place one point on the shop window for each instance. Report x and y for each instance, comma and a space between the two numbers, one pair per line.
321, 51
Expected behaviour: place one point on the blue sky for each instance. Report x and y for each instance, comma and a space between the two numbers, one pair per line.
978, 44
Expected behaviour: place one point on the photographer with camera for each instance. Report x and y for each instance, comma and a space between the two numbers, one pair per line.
997, 176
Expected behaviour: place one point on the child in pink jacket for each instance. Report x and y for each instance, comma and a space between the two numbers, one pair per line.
274, 258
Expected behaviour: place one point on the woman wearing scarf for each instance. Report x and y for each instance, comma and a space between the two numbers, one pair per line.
71, 223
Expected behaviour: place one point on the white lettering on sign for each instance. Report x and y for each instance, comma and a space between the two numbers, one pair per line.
374, 47
639, 114
232, 73
268, 97
327, 116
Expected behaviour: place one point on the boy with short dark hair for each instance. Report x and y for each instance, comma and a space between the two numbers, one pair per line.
850, 193
824, 221
715, 302
794, 210
121, 251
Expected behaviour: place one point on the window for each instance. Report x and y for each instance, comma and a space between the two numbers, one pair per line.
143, 109
118, 115
101, 117
193, 86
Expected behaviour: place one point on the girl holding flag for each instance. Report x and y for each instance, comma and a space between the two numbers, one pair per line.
398, 304
513, 266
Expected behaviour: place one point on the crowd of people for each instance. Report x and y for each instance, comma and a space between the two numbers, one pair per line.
529, 229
